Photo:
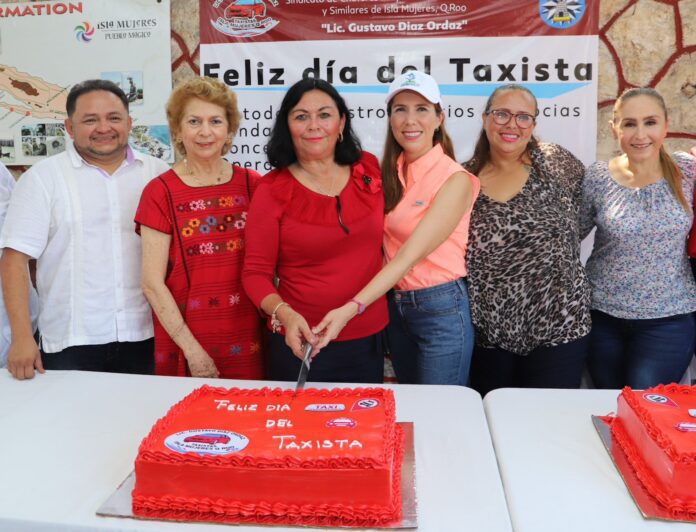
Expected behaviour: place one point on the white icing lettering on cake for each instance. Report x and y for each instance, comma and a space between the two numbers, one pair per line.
277, 408
224, 404
278, 423
290, 442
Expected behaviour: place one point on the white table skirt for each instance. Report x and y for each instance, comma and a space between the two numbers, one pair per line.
556, 472
67, 439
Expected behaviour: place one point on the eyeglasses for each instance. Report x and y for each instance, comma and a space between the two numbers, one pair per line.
502, 117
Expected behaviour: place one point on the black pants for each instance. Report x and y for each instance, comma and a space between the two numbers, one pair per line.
359, 360
115, 357
560, 366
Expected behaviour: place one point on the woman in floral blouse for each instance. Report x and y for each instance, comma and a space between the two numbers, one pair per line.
529, 294
643, 292
192, 221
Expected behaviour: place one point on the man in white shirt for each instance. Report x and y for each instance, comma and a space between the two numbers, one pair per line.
7, 183
73, 213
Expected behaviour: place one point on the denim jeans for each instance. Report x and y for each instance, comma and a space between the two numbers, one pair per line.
640, 353
430, 334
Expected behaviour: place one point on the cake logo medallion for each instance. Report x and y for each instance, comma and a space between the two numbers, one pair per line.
365, 404
659, 399
325, 407
206, 441
342, 422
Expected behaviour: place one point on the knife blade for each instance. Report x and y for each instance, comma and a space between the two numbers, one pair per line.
304, 368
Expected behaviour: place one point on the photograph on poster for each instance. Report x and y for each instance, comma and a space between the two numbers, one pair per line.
55, 145
7, 151
152, 140
131, 82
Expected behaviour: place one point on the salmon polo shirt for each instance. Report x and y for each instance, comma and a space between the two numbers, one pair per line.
425, 176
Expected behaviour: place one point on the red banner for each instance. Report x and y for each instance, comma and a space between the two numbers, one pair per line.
315, 20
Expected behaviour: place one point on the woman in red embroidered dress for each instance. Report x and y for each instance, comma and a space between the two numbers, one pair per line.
192, 222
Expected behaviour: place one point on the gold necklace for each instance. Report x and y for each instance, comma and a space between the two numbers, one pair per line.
218, 179
317, 181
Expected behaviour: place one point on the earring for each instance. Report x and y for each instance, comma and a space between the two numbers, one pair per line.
340, 137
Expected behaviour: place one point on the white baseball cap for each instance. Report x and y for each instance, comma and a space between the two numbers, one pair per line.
416, 81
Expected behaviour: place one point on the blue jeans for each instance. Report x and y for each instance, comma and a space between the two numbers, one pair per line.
639, 353
430, 334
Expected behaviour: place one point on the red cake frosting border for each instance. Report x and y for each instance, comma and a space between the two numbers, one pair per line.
677, 507
263, 512
161, 427
655, 432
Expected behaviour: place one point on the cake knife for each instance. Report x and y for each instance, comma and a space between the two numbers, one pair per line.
304, 368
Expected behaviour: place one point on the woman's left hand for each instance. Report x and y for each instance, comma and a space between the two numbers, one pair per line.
333, 323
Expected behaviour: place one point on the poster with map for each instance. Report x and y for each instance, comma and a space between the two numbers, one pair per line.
46, 47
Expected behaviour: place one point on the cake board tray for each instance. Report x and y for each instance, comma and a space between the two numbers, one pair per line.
645, 502
119, 504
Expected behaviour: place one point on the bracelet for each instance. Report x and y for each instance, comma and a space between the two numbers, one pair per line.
361, 307
276, 326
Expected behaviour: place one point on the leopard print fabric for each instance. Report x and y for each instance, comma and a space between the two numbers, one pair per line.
527, 286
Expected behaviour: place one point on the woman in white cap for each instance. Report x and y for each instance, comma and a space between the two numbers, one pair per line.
428, 198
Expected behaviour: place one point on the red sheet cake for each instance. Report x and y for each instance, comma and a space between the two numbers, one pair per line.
321, 457
656, 428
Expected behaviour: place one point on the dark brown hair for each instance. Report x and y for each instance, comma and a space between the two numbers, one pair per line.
393, 189
280, 149
482, 150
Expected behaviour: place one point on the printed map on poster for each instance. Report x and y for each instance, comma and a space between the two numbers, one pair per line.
46, 47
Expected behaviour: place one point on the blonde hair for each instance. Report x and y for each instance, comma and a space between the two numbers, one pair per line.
209, 90
672, 173
393, 189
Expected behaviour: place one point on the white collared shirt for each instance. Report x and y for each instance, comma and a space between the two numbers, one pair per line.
78, 223
7, 183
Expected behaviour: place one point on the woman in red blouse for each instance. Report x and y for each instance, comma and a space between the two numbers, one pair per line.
314, 237
192, 220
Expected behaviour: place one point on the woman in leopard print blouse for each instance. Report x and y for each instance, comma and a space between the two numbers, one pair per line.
529, 294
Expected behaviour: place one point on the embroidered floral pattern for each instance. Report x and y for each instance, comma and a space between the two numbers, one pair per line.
638, 268
197, 205
228, 222
205, 203
209, 248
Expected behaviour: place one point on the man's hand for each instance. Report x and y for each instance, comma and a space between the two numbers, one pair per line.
23, 357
